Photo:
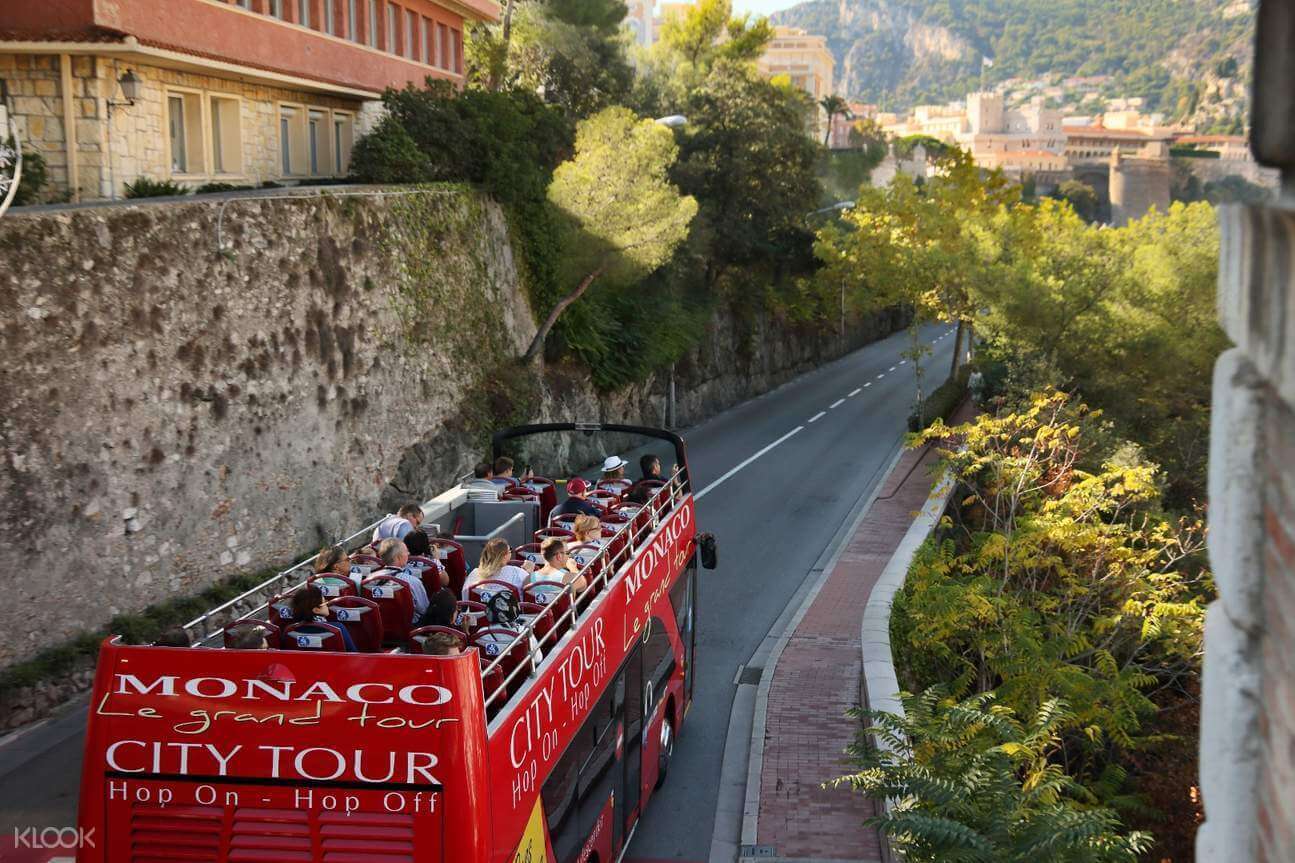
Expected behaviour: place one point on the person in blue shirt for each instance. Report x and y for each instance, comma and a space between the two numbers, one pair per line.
308, 606
575, 504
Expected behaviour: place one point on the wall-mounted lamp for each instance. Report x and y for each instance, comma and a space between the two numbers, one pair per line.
129, 84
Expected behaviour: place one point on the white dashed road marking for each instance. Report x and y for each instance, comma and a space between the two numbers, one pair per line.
836, 404
818, 416
855, 393
891, 369
880, 376
868, 384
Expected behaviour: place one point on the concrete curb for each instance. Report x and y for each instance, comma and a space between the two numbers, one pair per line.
819, 573
880, 682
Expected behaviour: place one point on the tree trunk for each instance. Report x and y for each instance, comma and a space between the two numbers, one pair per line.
505, 35
957, 348
537, 343
828, 135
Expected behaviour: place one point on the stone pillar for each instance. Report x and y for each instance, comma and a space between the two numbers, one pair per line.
1248, 707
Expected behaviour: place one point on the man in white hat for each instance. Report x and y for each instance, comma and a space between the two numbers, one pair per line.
614, 474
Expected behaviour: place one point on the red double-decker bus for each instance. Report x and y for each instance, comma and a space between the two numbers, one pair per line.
542, 741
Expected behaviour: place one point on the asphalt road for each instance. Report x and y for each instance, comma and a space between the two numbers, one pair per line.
772, 519
832, 431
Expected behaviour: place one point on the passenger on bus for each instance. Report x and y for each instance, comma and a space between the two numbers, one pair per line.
173, 637
639, 494
250, 639
613, 468
333, 560
558, 566
650, 465
441, 608
398, 523
309, 606
441, 644
587, 528
575, 504
395, 557
482, 485
503, 471
494, 565
419, 545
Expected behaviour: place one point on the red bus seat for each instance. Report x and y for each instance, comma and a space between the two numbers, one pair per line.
549, 594
450, 554
639, 516
493, 643
366, 560
469, 616
548, 492
279, 610
362, 619
540, 618
429, 570
550, 532
269, 630
312, 635
604, 498
417, 637
530, 551
491, 682
521, 492
332, 586
483, 590
395, 604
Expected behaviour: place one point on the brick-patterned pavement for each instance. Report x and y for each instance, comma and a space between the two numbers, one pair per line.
818, 677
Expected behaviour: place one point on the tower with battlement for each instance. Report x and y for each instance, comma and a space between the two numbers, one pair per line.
1138, 183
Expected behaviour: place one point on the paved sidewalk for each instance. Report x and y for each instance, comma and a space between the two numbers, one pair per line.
817, 678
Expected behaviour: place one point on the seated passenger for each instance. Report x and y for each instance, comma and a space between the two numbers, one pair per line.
558, 566
308, 606
613, 469
482, 485
639, 494
173, 637
441, 644
441, 608
587, 528
650, 465
494, 565
399, 523
575, 504
502, 472
333, 560
419, 545
395, 556
249, 639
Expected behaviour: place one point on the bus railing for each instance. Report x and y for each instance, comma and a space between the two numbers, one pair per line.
612, 559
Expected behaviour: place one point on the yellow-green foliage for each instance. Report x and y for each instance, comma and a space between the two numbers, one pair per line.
1055, 581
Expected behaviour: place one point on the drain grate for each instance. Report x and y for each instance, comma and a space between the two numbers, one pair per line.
750, 675
756, 852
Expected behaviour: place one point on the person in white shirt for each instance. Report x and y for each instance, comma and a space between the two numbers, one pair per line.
399, 523
494, 565
482, 485
558, 566
395, 556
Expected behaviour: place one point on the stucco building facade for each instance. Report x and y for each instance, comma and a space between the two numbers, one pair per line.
207, 91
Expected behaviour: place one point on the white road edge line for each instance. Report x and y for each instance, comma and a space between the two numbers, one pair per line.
836, 404
818, 416
891, 369
868, 384
901, 362
880, 376
856, 392
708, 489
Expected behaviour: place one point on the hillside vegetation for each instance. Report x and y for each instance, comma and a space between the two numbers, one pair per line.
1185, 57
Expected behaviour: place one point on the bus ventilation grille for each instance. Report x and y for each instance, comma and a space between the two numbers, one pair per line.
194, 834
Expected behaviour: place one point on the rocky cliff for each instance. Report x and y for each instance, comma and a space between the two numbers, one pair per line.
201, 388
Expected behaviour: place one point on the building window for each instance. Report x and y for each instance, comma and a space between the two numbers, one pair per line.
457, 42
373, 24
442, 45
179, 160
330, 22
226, 137
293, 151
425, 56
319, 143
352, 32
276, 9
343, 138
246, 4
184, 129
303, 12
392, 45
410, 19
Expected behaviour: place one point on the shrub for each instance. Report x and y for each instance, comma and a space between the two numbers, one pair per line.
146, 187
389, 155
34, 177
213, 188
943, 402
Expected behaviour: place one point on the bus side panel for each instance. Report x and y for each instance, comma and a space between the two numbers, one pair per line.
534, 731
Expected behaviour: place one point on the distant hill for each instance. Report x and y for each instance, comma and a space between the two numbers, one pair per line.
1187, 58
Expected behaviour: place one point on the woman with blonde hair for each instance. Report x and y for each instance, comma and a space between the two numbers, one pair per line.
587, 528
494, 565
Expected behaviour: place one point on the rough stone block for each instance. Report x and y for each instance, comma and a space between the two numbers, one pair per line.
1235, 486
46, 88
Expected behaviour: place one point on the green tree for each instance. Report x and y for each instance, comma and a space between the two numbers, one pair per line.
1081, 196
832, 105
620, 212
970, 782
691, 43
746, 159
388, 154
